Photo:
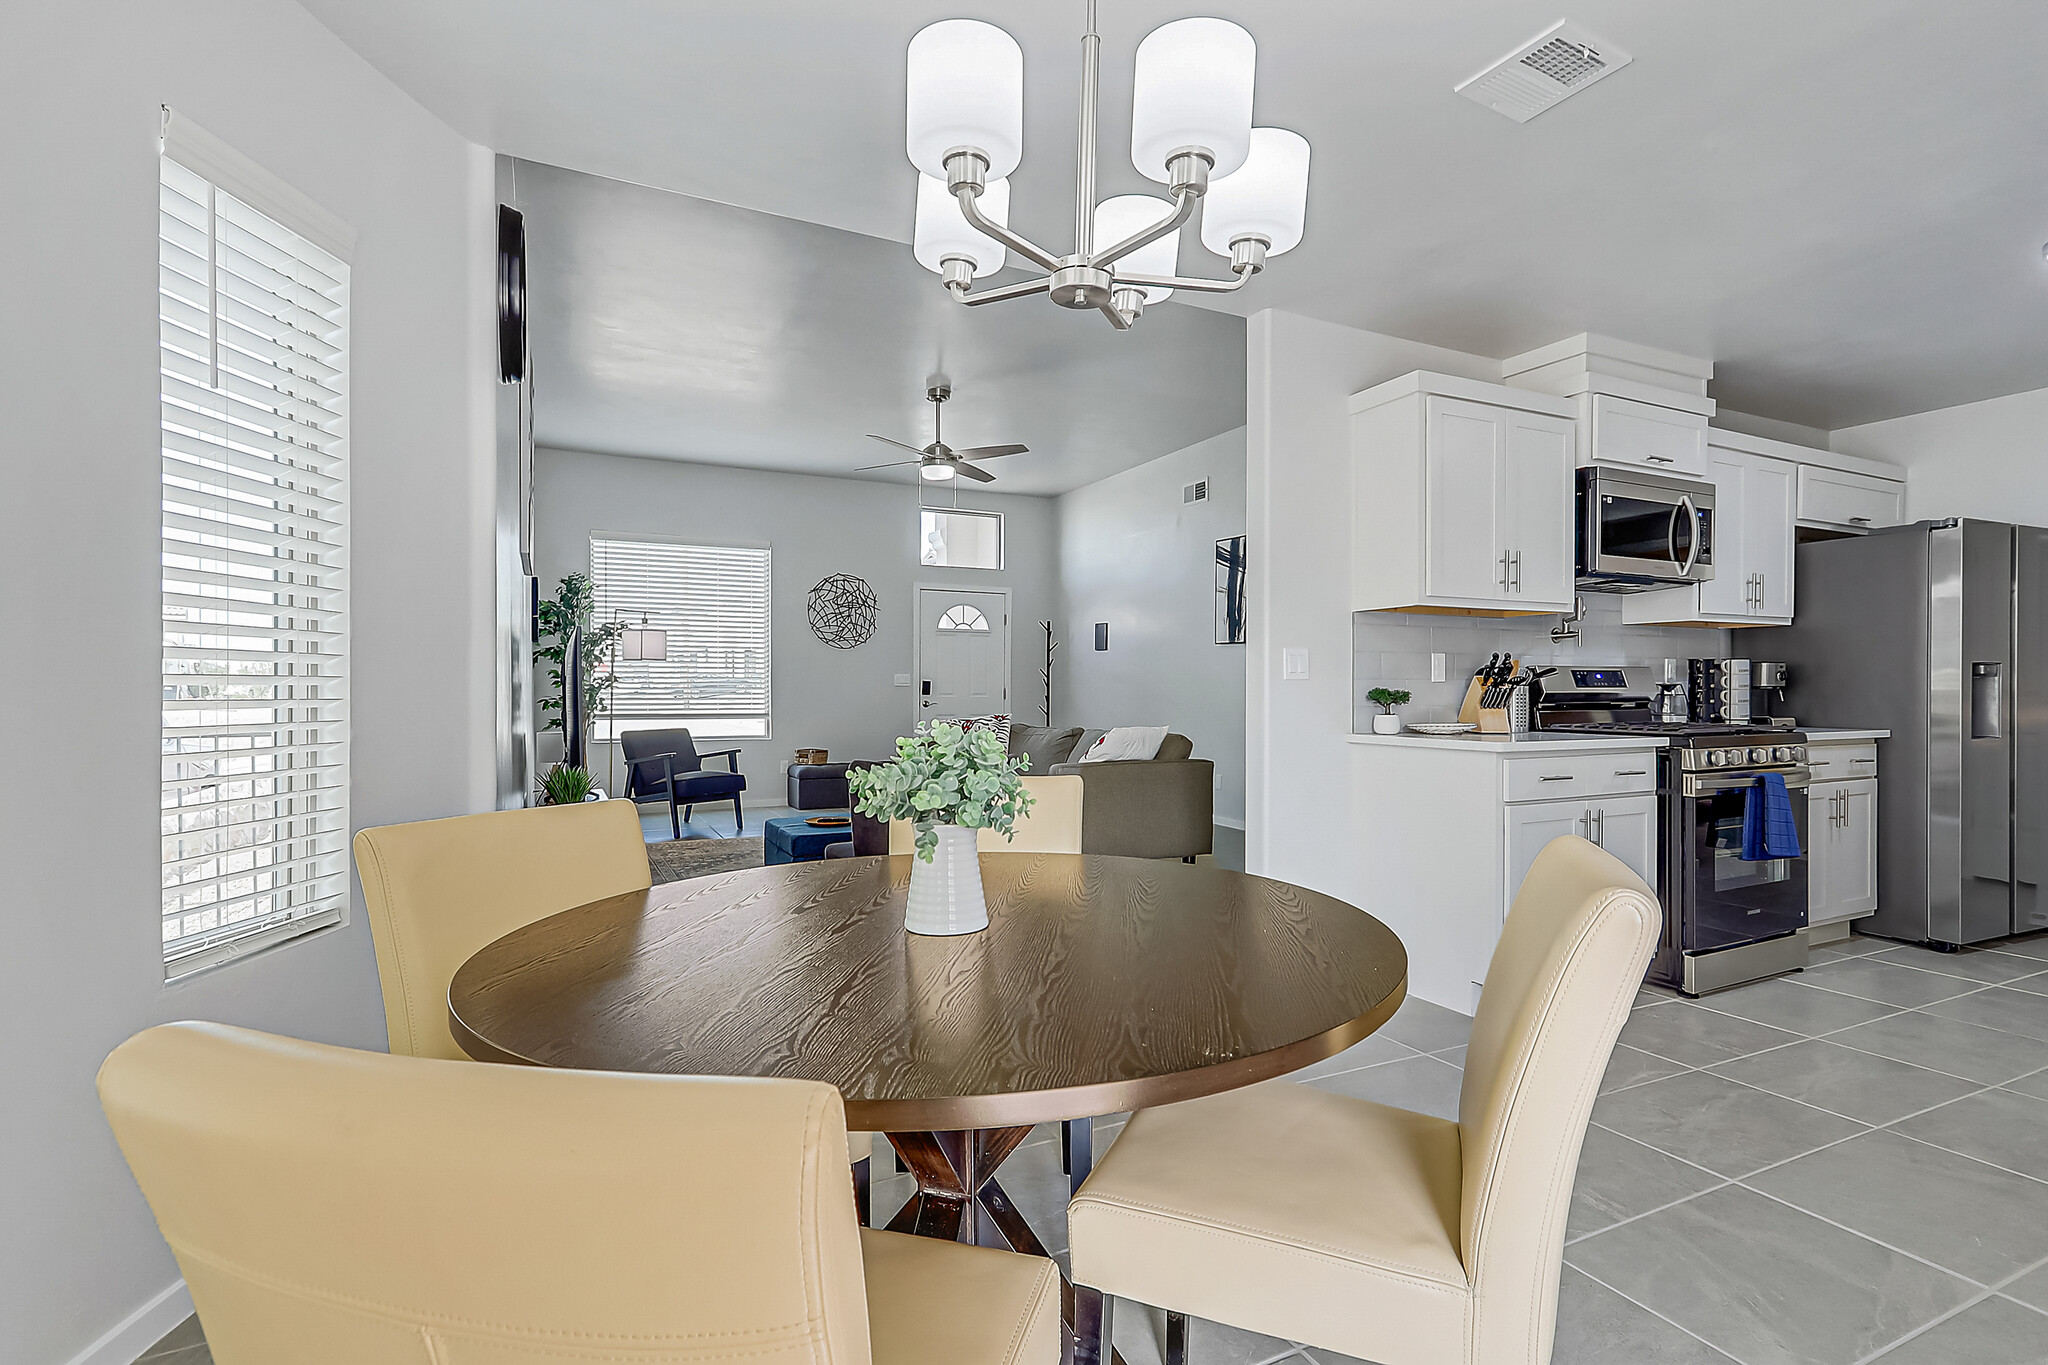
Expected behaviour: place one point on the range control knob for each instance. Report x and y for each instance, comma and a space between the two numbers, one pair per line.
1714, 758
1799, 753
1782, 754
1760, 755
1733, 756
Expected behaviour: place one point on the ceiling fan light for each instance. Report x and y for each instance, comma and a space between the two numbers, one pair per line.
1192, 87
965, 89
942, 230
1127, 214
938, 472
1266, 197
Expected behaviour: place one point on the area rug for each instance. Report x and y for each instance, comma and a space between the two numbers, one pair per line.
674, 859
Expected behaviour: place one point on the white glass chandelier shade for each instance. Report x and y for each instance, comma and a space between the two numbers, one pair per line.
1266, 197
1126, 216
1192, 87
966, 89
943, 230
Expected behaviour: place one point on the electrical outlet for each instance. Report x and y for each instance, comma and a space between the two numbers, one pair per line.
1436, 668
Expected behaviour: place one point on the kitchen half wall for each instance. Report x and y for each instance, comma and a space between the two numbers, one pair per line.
1392, 649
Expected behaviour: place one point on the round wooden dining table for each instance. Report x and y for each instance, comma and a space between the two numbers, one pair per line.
1100, 985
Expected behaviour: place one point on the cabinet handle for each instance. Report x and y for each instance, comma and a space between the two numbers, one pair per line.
1600, 828
1518, 570
1586, 824
1631, 772
1503, 579
1859, 521
1659, 459
1863, 760
1557, 777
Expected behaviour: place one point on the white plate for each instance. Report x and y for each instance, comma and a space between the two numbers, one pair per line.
1453, 727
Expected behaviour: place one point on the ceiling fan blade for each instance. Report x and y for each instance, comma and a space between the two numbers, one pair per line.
978, 475
889, 441
893, 464
990, 452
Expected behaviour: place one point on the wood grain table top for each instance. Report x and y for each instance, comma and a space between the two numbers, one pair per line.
1101, 984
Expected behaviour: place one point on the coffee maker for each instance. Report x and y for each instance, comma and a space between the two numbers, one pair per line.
1767, 683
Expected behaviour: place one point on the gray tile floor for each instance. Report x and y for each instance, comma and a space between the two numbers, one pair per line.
1845, 1165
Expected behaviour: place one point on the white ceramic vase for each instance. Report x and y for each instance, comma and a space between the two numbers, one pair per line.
945, 893
1386, 724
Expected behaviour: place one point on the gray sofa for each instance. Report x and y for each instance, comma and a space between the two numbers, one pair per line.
1160, 807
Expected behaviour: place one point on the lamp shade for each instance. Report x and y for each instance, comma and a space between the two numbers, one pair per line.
942, 229
638, 642
965, 89
1266, 197
1192, 87
1118, 218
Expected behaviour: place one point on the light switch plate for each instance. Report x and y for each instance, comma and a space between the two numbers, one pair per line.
903, 680
1436, 668
1294, 664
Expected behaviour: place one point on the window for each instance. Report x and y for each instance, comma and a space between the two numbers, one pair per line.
253, 354
963, 618
961, 540
712, 600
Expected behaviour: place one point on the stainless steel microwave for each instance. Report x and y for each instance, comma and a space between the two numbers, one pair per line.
1641, 532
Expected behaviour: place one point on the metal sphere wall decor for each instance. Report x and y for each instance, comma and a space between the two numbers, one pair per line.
843, 611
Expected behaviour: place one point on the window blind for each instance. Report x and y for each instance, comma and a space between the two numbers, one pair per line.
253, 352
713, 602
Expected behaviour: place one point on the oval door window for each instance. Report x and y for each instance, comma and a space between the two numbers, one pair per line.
963, 617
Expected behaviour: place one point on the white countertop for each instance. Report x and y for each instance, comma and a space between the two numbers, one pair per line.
1818, 735
1536, 742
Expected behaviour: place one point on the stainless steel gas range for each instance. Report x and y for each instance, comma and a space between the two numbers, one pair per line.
1726, 920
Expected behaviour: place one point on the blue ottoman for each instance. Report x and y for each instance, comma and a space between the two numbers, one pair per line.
790, 839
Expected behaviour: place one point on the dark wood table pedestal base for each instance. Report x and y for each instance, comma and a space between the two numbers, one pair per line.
959, 1199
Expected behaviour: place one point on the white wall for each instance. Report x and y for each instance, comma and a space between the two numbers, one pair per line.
1298, 504
79, 1252
1987, 459
843, 700
1134, 555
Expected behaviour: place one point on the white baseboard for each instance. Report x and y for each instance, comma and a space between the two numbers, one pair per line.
1227, 821
140, 1330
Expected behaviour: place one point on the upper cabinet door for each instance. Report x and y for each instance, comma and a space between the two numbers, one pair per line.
1536, 514
1731, 590
1770, 510
1646, 436
1463, 485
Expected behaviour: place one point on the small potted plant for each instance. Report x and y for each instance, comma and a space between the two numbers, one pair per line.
948, 782
563, 785
1387, 723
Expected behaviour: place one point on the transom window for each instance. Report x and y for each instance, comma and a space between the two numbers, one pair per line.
964, 618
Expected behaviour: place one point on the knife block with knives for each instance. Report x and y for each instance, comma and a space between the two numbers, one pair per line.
1497, 701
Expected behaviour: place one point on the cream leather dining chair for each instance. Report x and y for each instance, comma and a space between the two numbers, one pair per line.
1053, 825
1390, 1235
335, 1207
438, 890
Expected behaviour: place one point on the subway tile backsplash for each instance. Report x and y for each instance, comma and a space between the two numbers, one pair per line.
1392, 649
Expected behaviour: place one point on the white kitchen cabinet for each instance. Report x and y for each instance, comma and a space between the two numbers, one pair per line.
1462, 498
1845, 500
1622, 431
1756, 508
1841, 864
1625, 826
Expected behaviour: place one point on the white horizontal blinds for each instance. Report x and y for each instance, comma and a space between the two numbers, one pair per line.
713, 602
253, 327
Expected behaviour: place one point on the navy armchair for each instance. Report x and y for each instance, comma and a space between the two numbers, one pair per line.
664, 765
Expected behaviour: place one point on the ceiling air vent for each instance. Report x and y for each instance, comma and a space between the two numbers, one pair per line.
1562, 60
1198, 491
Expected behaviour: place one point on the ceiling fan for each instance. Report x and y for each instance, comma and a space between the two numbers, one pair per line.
939, 462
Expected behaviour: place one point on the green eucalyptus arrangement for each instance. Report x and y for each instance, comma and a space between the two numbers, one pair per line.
945, 775
563, 785
572, 605
1389, 697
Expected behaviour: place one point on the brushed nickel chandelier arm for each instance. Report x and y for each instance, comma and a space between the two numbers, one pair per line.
964, 172
1185, 209
1008, 291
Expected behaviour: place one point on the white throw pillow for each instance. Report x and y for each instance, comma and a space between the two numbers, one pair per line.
1127, 742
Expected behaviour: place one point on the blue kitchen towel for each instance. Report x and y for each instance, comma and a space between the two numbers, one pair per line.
1768, 829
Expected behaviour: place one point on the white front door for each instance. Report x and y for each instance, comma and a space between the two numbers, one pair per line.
963, 653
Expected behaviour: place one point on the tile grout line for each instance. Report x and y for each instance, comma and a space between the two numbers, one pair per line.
1657, 1315
1957, 1311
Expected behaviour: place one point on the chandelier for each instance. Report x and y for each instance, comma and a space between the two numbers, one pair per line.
1191, 130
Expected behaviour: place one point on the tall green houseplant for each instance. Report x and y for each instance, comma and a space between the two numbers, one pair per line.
571, 606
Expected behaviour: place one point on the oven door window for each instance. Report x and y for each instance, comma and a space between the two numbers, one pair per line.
1644, 529
1737, 902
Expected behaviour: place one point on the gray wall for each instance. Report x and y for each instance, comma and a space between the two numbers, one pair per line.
80, 1255
841, 700
1134, 555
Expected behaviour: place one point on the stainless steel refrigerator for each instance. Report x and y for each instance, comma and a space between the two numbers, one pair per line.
1937, 631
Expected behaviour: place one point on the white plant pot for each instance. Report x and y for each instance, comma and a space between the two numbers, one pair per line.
1386, 725
945, 893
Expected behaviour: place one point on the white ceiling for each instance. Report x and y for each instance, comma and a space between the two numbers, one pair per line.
1842, 202
670, 326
